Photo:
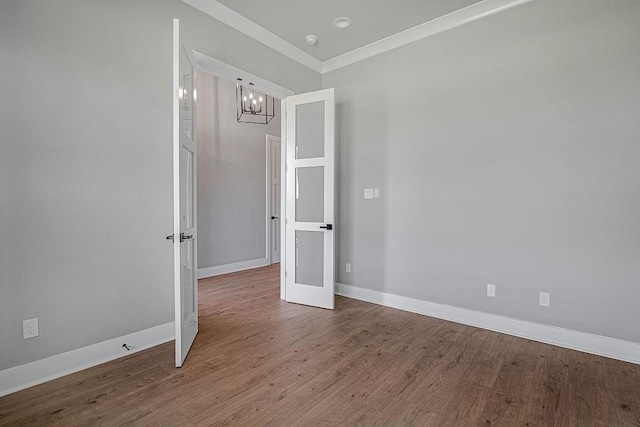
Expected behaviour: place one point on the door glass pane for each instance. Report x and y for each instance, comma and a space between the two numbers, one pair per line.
310, 194
186, 94
310, 258
188, 280
186, 188
310, 130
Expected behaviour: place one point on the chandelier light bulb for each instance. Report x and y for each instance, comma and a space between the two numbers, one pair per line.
260, 99
254, 102
251, 95
244, 99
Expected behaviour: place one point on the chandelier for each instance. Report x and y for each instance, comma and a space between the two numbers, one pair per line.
252, 106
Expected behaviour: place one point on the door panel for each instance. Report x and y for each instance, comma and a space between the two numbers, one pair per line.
184, 201
310, 199
310, 258
188, 277
310, 194
274, 158
310, 130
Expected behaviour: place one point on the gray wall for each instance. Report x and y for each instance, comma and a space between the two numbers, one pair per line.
507, 151
231, 176
85, 163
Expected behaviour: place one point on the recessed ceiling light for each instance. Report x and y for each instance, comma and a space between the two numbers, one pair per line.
311, 39
342, 22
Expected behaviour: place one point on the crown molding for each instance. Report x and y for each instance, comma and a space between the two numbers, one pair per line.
443, 23
454, 19
233, 19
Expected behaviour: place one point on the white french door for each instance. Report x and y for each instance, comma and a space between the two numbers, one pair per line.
309, 225
184, 201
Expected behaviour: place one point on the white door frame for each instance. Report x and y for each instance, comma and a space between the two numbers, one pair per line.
269, 171
218, 68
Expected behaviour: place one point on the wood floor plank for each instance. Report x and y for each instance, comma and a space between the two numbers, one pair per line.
548, 403
260, 361
512, 389
475, 383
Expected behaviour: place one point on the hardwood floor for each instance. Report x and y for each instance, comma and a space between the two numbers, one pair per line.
260, 361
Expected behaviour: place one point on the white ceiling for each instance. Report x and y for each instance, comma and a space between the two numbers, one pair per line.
372, 20
378, 25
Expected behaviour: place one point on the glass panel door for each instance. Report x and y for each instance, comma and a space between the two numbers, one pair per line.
184, 201
309, 199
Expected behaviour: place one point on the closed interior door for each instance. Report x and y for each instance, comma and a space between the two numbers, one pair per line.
275, 187
310, 198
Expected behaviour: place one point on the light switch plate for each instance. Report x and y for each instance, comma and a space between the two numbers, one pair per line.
376, 193
348, 267
368, 193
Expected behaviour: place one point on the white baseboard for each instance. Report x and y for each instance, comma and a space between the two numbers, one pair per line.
40, 371
582, 341
232, 268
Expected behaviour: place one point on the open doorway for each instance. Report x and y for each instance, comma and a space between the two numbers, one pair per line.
238, 180
306, 270
211, 67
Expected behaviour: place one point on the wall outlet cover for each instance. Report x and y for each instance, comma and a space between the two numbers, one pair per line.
545, 299
491, 290
368, 193
348, 267
376, 193
30, 328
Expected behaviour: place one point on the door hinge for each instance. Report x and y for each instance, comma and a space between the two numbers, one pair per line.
169, 237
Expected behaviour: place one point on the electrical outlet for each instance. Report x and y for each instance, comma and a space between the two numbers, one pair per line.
368, 193
491, 290
545, 299
30, 328
348, 267
376, 193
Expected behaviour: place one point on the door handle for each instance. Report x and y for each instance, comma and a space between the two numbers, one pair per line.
327, 227
183, 237
274, 217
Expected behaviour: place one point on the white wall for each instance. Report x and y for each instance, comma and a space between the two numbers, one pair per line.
507, 151
231, 177
85, 163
